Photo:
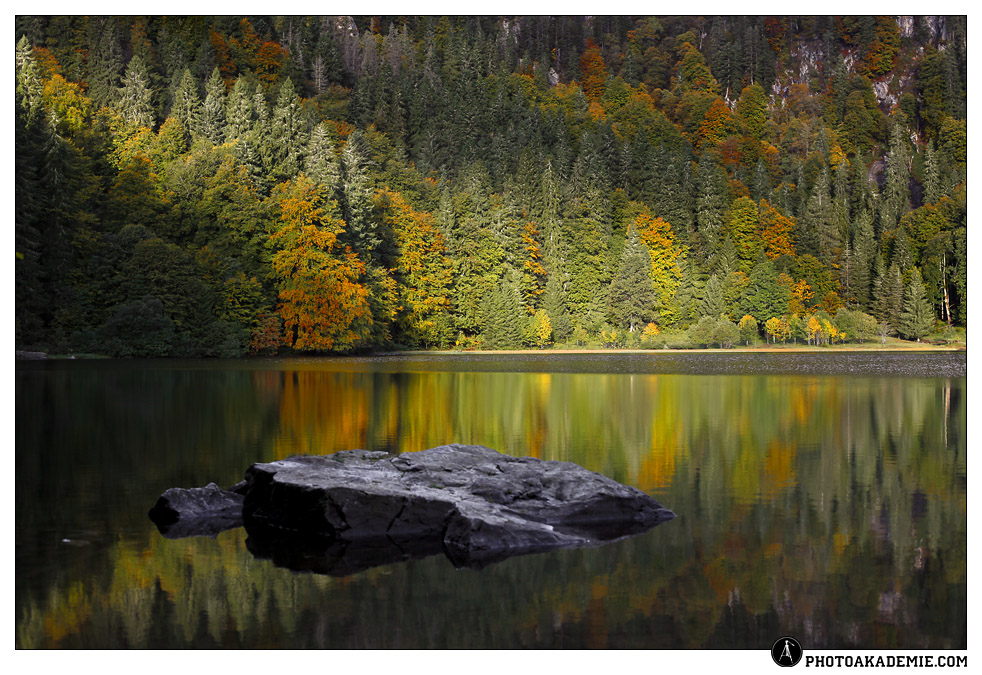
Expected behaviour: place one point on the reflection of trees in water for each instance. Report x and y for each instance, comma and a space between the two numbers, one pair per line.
833, 508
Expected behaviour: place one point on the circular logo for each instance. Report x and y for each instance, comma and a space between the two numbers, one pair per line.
786, 652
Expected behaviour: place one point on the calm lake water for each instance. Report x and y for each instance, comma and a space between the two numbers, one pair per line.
818, 495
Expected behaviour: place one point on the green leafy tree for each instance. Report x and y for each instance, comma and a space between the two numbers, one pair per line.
752, 110
701, 332
667, 259
764, 295
743, 228
725, 333
748, 329
541, 329
423, 273
138, 328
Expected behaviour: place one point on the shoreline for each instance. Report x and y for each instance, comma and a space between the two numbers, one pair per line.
801, 349
896, 348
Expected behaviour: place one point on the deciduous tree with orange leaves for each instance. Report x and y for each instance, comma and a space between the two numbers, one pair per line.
594, 72
775, 230
323, 305
666, 275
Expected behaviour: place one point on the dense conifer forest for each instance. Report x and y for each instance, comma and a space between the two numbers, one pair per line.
223, 186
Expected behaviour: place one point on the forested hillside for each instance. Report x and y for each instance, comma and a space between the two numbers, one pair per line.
220, 186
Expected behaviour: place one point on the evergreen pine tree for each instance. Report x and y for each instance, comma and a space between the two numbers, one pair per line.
105, 62
819, 233
212, 121
896, 192
187, 103
864, 257
238, 110
30, 122
632, 295
901, 254
917, 317
933, 189
356, 193
711, 204
888, 303
322, 164
28, 86
714, 301
326, 66
554, 303
288, 134
135, 99
260, 141
690, 293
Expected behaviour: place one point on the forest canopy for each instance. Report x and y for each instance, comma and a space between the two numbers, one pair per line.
222, 186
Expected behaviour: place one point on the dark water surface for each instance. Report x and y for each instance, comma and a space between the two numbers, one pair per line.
818, 495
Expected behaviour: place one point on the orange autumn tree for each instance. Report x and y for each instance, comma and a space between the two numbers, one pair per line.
533, 281
594, 72
666, 275
323, 305
800, 292
776, 230
423, 271
716, 126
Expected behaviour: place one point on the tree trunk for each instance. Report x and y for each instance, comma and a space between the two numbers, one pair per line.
944, 288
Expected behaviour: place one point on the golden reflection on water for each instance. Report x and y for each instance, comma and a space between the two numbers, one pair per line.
798, 497
640, 427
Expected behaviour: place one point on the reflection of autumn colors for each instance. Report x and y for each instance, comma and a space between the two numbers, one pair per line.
832, 508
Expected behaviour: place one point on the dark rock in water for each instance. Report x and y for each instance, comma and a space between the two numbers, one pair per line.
191, 512
342, 513
334, 556
481, 505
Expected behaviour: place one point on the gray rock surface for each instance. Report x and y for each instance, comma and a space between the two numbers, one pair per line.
190, 512
342, 513
482, 505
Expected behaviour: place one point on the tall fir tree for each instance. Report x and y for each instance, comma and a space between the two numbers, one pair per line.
896, 191
135, 98
212, 121
187, 104
864, 258
712, 201
322, 164
105, 60
356, 193
238, 110
889, 295
288, 134
917, 316
632, 295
